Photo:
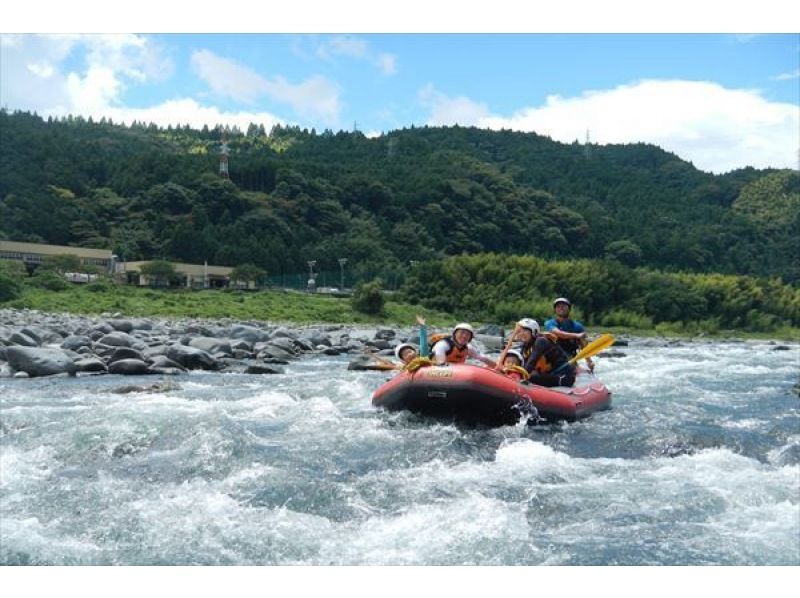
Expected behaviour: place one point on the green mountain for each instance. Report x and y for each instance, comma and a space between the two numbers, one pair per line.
413, 194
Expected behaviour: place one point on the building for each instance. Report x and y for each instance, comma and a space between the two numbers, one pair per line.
33, 254
196, 276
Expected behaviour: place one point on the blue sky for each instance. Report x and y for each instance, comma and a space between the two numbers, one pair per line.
722, 100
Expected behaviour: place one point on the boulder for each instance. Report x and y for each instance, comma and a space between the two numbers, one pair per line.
272, 351
74, 343
121, 339
284, 343
386, 334
22, 339
211, 345
121, 325
40, 362
162, 362
91, 365
129, 367
249, 333
192, 358
258, 368
121, 353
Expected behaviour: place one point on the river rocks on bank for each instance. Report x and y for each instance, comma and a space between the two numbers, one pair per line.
129, 367
40, 362
192, 358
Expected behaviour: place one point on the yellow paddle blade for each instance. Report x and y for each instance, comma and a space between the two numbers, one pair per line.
602, 342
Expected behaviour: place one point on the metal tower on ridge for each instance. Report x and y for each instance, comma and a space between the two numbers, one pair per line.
223, 159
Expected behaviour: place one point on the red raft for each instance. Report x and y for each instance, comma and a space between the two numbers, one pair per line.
480, 395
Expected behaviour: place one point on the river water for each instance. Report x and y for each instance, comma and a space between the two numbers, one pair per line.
697, 462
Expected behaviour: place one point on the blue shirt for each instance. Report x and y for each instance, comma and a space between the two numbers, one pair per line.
571, 346
567, 325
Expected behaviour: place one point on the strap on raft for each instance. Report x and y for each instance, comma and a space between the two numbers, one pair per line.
416, 363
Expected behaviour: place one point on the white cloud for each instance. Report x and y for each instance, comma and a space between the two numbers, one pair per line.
795, 74
357, 48
716, 128
315, 97
343, 45
387, 63
34, 76
445, 110
188, 112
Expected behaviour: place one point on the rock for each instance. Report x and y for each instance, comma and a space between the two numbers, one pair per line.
303, 344
129, 367
620, 342
612, 354
263, 369
21, 375
273, 352
491, 343
781, 348
75, 343
275, 361
192, 358
121, 339
241, 345
285, 343
385, 334
249, 333
211, 345
162, 362
157, 387
490, 330
91, 365
317, 338
124, 353
239, 354
23, 340
364, 363
121, 325
379, 344
283, 332
40, 362
334, 350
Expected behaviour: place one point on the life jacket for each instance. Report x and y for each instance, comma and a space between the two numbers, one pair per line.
552, 357
454, 353
516, 372
571, 346
527, 349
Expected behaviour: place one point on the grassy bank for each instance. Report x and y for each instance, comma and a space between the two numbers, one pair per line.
245, 305
302, 308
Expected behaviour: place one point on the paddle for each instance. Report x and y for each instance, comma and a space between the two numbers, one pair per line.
499, 365
381, 363
601, 342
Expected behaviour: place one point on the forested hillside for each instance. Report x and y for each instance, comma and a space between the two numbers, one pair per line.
413, 194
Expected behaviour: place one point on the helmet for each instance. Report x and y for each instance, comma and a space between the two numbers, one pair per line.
516, 353
464, 326
562, 300
398, 350
530, 324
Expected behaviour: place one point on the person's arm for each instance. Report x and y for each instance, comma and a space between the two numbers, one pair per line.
475, 354
538, 349
423, 336
440, 352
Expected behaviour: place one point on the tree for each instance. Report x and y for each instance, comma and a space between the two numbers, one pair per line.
9, 287
368, 297
248, 273
160, 272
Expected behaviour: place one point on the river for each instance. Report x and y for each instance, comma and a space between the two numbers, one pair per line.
697, 462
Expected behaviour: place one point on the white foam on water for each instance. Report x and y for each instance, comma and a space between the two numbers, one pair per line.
45, 543
462, 531
198, 523
19, 467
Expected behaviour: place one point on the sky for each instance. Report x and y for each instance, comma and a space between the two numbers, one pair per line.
721, 100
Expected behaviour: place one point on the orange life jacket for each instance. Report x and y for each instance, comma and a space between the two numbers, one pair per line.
454, 353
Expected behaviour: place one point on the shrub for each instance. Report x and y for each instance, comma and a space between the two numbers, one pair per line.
368, 298
48, 279
9, 288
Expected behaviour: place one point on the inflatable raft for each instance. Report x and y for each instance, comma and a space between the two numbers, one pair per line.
480, 395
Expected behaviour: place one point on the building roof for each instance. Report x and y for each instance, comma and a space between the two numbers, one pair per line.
42, 249
191, 269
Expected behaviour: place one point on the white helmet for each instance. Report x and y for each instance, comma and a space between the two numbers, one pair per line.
464, 326
530, 324
516, 353
398, 350
562, 300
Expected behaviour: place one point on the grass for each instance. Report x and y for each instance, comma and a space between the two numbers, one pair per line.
302, 308
276, 306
